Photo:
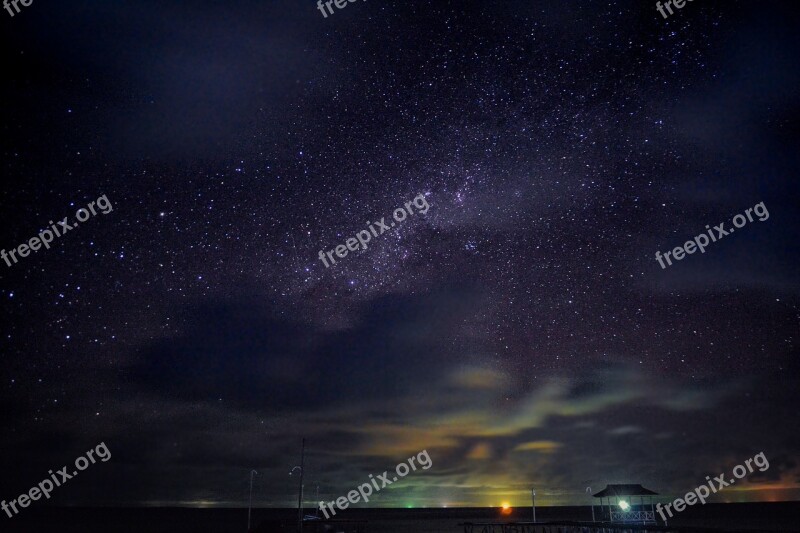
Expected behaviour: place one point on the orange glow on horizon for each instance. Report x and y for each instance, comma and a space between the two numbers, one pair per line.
506, 508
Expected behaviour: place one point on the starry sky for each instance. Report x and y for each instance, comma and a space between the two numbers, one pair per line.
520, 331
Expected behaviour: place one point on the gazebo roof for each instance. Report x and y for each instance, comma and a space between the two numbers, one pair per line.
624, 490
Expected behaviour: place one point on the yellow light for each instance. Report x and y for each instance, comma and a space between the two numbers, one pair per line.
506, 508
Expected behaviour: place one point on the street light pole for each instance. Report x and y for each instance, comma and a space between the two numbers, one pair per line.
250, 506
533, 497
300, 495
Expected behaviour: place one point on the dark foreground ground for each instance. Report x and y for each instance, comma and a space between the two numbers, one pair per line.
784, 516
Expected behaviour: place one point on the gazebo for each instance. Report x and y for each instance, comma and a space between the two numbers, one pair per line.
624, 509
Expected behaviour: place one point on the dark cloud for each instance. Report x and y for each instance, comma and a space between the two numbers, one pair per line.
257, 360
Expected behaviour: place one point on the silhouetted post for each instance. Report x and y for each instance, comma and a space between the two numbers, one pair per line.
533, 498
250, 507
300, 495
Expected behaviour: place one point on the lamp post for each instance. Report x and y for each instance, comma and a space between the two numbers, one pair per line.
533, 498
300, 494
299, 499
250, 506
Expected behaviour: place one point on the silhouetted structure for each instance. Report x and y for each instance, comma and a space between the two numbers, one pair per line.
624, 508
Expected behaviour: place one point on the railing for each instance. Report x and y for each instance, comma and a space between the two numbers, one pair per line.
334, 524
582, 527
633, 516
520, 527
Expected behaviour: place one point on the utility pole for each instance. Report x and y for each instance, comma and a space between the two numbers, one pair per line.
300, 495
250, 507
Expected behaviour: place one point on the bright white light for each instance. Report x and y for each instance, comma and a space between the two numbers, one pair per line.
624, 505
